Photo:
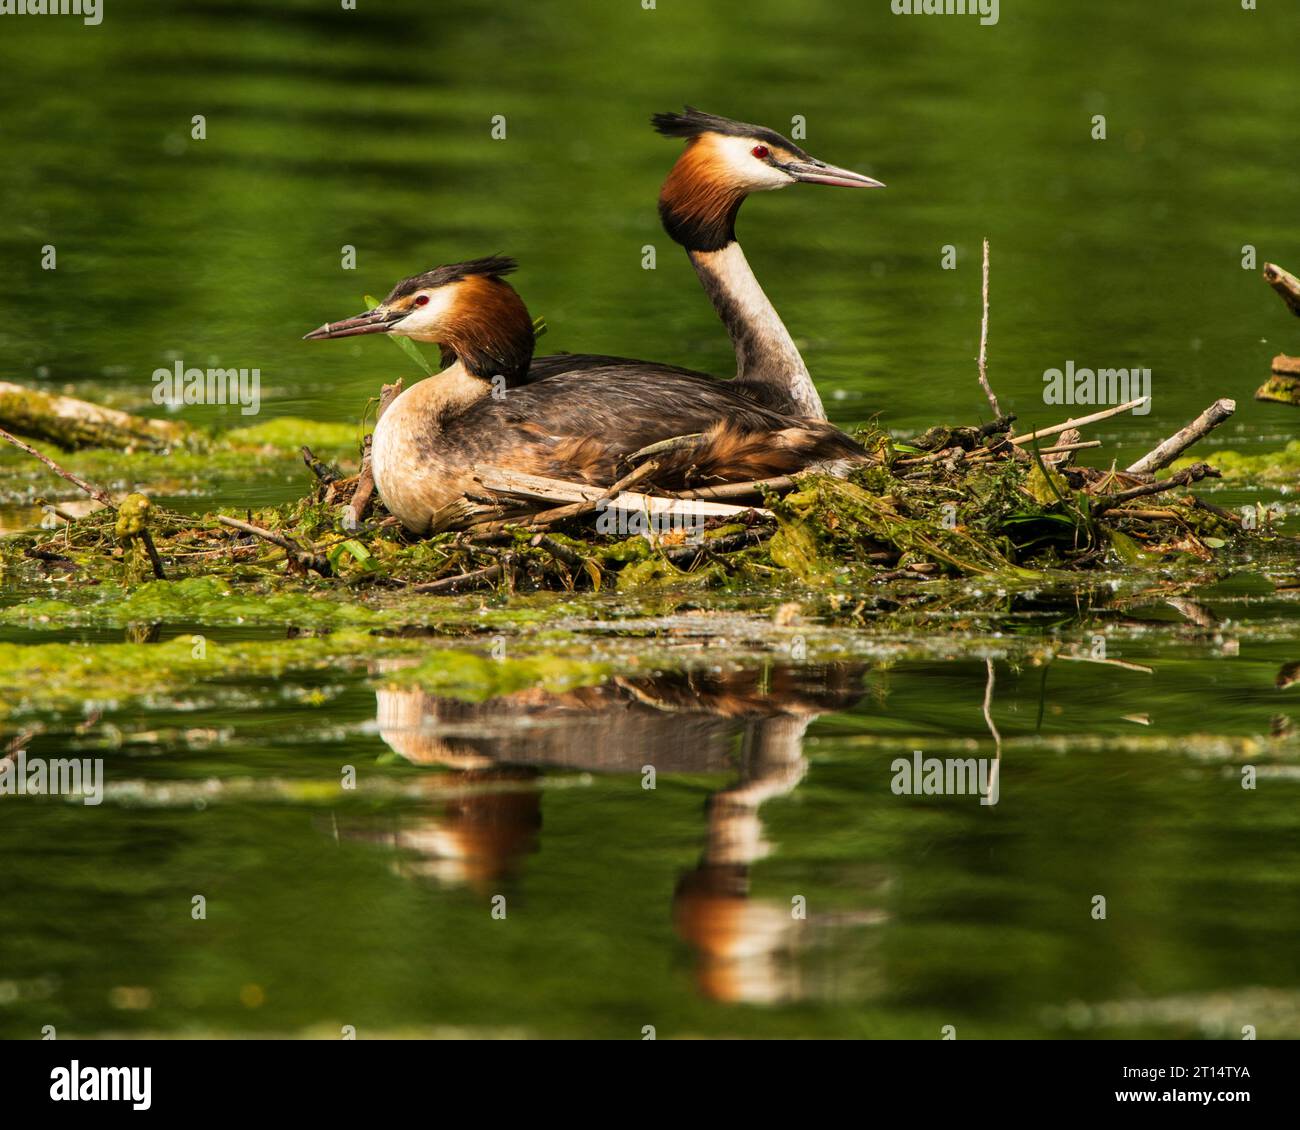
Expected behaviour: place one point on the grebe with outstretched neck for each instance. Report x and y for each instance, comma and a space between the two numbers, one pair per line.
723, 163
490, 406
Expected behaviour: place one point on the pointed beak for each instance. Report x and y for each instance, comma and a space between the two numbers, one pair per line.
376, 321
818, 172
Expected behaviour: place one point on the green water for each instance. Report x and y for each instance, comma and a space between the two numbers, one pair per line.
673, 907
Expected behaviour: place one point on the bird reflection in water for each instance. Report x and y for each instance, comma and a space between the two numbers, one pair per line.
749, 723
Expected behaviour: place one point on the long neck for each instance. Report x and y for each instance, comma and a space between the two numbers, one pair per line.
766, 356
429, 405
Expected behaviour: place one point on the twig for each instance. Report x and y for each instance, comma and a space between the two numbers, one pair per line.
559, 551
988, 696
322, 471
52, 508
154, 560
984, 340
18, 741
1170, 449
1078, 445
97, 493
1057, 449
1188, 475
1286, 285
684, 555
1061, 455
740, 490
1194, 611
364, 489
943, 453
1107, 662
302, 556
451, 584
257, 531
1094, 418
1217, 511
578, 509
1141, 515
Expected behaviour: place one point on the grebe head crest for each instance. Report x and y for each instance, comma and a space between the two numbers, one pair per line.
726, 160
468, 308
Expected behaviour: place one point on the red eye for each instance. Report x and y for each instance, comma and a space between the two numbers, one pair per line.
760, 151
421, 300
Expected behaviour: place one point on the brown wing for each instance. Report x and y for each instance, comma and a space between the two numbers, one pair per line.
585, 420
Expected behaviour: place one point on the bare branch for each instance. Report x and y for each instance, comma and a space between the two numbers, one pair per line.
984, 340
1169, 450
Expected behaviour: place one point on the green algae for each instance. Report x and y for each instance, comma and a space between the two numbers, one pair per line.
830, 523
472, 677
66, 676
656, 573
1271, 468
267, 450
198, 600
63, 676
484, 645
131, 531
289, 433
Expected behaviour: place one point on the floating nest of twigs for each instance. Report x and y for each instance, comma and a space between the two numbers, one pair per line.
957, 501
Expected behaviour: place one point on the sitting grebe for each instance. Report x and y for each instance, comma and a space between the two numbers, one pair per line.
579, 423
723, 163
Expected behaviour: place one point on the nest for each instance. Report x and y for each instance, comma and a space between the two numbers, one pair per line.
957, 501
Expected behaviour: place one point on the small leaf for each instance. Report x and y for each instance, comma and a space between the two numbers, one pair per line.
1128, 550
1016, 519
355, 548
405, 344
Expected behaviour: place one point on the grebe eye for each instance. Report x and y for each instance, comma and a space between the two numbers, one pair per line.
421, 300
759, 151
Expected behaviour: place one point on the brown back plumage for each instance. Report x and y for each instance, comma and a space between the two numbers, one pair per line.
728, 452
585, 423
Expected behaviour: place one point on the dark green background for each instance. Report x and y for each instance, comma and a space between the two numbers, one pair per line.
327, 127
372, 128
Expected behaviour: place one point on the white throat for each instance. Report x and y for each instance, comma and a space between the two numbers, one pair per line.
766, 356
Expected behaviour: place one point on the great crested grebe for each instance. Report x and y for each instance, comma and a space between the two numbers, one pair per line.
723, 163
566, 416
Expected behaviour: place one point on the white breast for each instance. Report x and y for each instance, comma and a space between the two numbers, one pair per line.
412, 474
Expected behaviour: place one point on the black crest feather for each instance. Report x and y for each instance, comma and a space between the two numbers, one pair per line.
692, 123
494, 266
